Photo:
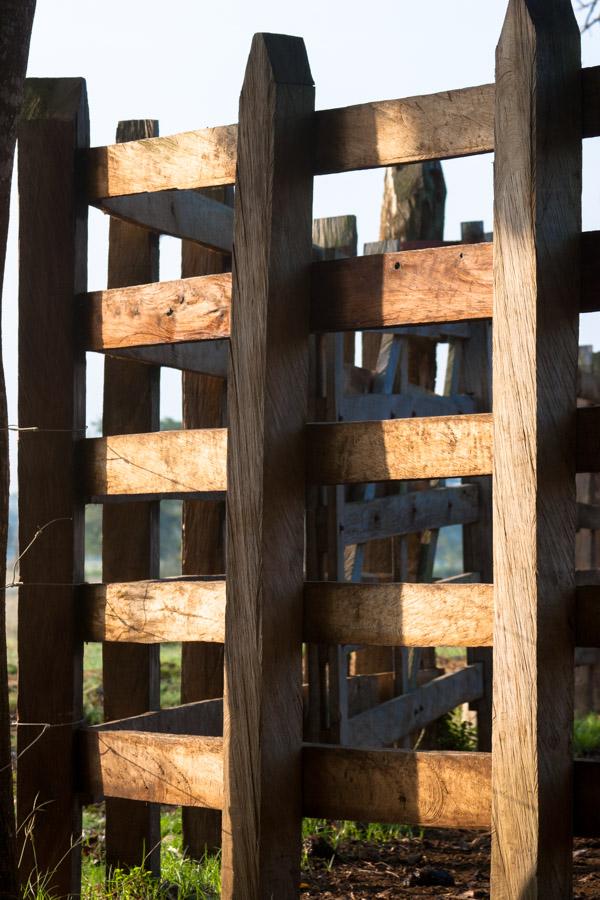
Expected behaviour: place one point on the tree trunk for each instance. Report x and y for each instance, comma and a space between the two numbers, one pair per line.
16, 19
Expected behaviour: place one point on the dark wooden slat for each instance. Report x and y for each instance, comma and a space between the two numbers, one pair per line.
537, 226
206, 357
414, 402
396, 449
182, 214
409, 513
403, 715
53, 268
267, 406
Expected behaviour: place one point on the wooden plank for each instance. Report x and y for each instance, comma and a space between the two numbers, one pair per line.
408, 615
414, 402
53, 257
173, 769
588, 439
590, 85
130, 535
537, 224
397, 449
588, 516
153, 612
205, 357
188, 309
203, 540
203, 718
400, 716
163, 462
268, 401
445, 789
182, 214
443, 284
586, 798
409, 513
191, 159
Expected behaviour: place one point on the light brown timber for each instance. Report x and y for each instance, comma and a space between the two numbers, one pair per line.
53, 268
397, 449
537, 224
153, 612
445, 789
267, 406
409, 615
175, 769
163, 462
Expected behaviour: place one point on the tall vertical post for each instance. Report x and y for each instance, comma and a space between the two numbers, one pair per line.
53, 265
537, 226
130, 534
267, 405
202, 546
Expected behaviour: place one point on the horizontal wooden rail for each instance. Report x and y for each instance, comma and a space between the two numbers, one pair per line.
202, 717
369, 135
163, 462
188, 309
175, 769
446, 789
397, 449
408, 615
455, 614
405, 289
153, 612
410, 513
413, 402
443, 789
182, 214
205, 357
400, 716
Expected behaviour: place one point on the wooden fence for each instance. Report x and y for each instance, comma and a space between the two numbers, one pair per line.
244, 754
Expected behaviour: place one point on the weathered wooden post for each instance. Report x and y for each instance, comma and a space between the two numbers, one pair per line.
537, 226
267, 400
52, 269
130, 534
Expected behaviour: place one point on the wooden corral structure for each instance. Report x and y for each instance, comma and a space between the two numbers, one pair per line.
298, 455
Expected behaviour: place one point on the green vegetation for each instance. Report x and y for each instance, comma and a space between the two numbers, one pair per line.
586, 735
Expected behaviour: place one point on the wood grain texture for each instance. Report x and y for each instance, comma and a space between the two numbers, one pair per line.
189, 309
163, 462
130, 534
191, 159
444, 789
173, 769
53, 268
403, 715
154, 612
267, 400
409, 513
537, 224
397, 449
443, 284
203, 536
183, 214
408, 615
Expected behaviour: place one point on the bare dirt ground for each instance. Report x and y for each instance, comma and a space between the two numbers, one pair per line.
457, 862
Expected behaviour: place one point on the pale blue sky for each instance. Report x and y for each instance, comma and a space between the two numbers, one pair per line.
182, 62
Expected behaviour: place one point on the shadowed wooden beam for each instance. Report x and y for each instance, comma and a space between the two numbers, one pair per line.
182, 214
445, 789
206, 357
153, 612
409, 513
397, 449
408, 615
403, 715
162, 462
